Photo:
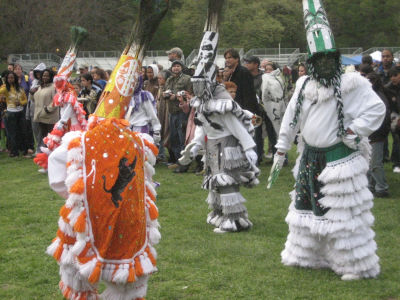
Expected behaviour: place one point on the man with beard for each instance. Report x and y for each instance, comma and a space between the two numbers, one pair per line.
386, 65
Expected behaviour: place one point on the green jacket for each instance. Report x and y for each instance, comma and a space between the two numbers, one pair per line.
175, 84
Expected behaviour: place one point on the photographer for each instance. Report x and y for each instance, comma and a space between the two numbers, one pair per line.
90, 94
177, 118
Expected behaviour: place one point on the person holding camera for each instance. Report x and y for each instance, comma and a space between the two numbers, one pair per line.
177, 117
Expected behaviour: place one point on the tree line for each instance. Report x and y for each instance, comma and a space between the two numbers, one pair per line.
43, 26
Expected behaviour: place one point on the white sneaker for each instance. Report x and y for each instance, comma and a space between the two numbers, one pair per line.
42, 171
396, 170
350, 276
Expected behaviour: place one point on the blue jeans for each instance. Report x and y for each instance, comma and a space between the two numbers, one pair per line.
376, 174
177, 132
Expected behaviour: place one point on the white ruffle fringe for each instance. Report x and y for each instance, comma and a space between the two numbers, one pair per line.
130, 291
71, 278
345, 168
342, 239
234, 213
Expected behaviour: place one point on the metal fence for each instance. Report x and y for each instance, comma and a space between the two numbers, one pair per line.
98, 54
373, 49
350, 51
13, 58
281, 56
220, 54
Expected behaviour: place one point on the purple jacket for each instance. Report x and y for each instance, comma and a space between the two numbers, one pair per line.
26, 85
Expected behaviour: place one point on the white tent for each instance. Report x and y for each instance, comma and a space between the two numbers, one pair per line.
377, 55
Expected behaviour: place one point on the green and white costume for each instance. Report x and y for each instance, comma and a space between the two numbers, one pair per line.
330, 215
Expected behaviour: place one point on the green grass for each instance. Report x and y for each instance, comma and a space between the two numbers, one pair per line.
193, 262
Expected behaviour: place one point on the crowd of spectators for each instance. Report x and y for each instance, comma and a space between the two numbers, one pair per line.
261, 87
26, 104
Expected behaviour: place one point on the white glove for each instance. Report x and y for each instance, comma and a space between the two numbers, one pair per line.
279, 159
251, 156
156, 137
195, 149
189, 153
351, 141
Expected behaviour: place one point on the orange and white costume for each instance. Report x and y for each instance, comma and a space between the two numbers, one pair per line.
99, 238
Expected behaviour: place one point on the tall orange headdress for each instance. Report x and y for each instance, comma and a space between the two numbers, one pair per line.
117, 94
108, 225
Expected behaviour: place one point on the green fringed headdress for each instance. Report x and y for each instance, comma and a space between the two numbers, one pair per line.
323, 61
318, 31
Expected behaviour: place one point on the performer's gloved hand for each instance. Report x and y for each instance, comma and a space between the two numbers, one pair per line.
350, 139
194, 150
279, 159
189, 153
251, 156
156, 137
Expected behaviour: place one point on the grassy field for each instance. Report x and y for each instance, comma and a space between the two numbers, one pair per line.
193, 262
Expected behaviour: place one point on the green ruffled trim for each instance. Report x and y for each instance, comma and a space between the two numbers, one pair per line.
334, 152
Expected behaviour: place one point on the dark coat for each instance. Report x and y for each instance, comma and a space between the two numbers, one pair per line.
393, 95
245, 94
382, 132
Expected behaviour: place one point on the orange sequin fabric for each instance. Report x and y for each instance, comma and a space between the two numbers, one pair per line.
118, 233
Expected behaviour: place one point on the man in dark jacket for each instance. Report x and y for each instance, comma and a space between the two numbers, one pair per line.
386, 64
376, 174
393, 94
245, 94
252, 63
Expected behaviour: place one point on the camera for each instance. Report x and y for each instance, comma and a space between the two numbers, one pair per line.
168, 93
181, 93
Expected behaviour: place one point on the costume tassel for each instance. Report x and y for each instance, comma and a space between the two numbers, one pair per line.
41, 160
57, 254
75, 143
138, 267
151, 257
95, 275
131, 276
53, 246
78, 187
64, 212
153, 211
80, 225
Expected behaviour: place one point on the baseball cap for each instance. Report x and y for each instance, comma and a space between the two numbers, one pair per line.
176, 50
83, 66
177, 62
252, 59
